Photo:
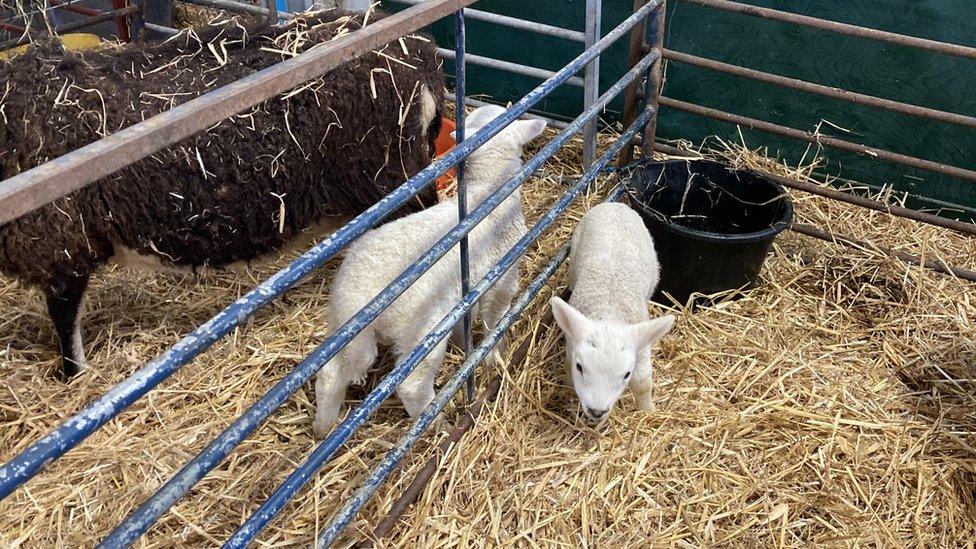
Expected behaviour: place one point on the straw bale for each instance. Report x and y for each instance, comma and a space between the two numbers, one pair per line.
831, 406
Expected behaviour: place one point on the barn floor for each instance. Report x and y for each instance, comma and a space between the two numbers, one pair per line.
832, 406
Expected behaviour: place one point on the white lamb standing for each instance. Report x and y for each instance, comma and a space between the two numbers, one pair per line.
613, 271
380, 255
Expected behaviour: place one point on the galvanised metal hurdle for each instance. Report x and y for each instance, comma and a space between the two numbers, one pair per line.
54, 179
956, 50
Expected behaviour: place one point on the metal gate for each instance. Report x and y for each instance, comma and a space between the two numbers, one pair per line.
40, 185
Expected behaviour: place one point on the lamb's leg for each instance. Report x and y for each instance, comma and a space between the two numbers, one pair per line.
350, 366
417, 390
65, 304
641, 382
496, 304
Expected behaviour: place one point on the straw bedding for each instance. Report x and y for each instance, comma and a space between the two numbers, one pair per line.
831, 406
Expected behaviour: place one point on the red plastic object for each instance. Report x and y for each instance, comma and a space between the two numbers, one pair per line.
442, 145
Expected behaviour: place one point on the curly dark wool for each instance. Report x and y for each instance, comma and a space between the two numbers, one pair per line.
334, 146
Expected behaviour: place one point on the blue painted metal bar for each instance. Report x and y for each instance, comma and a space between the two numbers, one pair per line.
143, 517
358, 416
399, 451
77, 428
460, 44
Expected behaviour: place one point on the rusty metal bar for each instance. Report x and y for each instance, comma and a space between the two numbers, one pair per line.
840, 28
507, 66
106, 16
558, 124
70, 6
514, 23
121, 24
8, 27
853, 199
636, 52
768, 127
48, 182
655, 81
238, 7
963, 273
827, 91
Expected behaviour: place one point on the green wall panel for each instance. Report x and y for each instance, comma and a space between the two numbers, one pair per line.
862, 65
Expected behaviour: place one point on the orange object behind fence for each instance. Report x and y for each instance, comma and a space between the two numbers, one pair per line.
442, 145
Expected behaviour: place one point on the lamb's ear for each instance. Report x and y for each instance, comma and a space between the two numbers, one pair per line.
527, 130
572, 322
481, 116
649, 332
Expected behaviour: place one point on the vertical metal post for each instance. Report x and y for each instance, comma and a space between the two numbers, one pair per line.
591, 80
655, 78
121, 24
631, 100
462, 190
136, 21
272, 6
158, 12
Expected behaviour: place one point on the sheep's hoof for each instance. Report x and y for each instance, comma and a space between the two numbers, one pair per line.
495, 357
320, 429
440, 425
323, 422
646, 403
71, 368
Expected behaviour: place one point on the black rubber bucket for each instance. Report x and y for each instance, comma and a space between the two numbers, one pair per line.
712, 225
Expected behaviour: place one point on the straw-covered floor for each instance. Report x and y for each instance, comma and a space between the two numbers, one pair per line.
832, 406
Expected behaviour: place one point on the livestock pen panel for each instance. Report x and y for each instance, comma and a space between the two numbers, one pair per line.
890, 70
827, 406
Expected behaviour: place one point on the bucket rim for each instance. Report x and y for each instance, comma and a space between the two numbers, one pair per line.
785, 221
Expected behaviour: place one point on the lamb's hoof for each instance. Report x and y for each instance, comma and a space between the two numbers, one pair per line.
646, 403
320, 430
440, 425
323, 423
495, 357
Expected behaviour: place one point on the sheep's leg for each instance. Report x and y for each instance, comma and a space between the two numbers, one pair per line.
641, 382
496, 304
351, 365
417, 390
65, 305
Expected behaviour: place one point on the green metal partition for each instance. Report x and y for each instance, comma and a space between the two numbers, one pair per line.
862, 65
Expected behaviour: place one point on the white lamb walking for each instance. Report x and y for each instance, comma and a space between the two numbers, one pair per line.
613, 270
380, 255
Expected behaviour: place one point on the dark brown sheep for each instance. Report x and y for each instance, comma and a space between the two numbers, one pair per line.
237, 191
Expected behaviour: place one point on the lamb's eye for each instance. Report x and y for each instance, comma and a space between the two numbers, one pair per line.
579, 367
627, 375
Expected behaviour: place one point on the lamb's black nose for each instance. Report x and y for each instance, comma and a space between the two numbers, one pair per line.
597, 414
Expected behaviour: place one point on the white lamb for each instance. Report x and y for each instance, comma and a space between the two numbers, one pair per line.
613, 271
380, 255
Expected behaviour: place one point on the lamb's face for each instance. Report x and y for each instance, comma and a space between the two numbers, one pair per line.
601, 364
603, 356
